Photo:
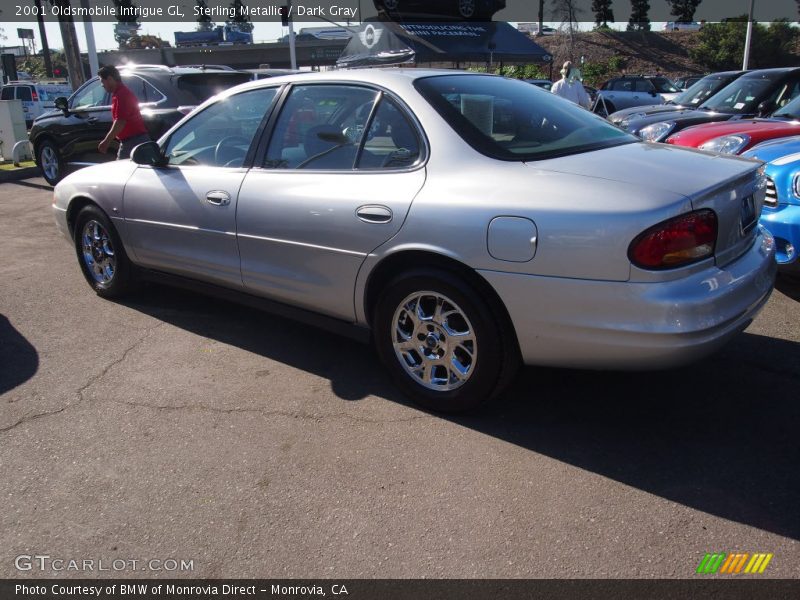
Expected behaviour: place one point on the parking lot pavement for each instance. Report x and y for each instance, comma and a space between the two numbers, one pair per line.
173, 426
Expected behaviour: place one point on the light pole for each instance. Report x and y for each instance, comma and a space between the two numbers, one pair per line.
748, 38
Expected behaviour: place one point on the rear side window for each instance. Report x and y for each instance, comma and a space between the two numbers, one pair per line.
143, 90
391, 141
320, 127
642, 85
197, 88
7, 93
24, 93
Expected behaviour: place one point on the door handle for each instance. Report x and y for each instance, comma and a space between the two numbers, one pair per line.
374, 214
218, 198
91, 120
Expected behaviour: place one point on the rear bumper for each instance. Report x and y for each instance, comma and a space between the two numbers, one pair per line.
629, 326
783, 223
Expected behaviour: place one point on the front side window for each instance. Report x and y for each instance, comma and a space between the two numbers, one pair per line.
511, 120
701, 91
220, 135
320, 127
92, 95
622, 85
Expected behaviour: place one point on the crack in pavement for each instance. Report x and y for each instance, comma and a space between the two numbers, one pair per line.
269, 413
80, 393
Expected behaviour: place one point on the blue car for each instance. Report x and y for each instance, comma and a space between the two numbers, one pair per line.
781, 213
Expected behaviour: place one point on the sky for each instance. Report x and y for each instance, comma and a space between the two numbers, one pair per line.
104, 32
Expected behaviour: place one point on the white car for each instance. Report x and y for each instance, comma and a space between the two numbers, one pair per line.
36, 96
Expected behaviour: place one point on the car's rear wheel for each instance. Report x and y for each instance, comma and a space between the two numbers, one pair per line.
101, 256
442, 341
50, 162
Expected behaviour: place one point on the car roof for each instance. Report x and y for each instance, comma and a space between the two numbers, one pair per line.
778, 71
377, 76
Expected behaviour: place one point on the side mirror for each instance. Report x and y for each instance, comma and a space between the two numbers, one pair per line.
148, 154
765, 108
62, 103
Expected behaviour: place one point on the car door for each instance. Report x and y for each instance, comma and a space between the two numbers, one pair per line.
339, 173
87, 123
181, 218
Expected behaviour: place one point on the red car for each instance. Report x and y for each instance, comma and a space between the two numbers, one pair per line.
736, 136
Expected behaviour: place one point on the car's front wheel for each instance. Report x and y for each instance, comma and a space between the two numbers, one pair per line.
443, 341
100, 253
50, 162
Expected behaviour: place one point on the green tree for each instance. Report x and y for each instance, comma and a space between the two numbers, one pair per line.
240, 20
602, 13
127, 25
683, 10
722, 44
204, 22
36, 67
639, 20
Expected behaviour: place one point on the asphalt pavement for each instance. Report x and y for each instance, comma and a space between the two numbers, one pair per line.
174, 427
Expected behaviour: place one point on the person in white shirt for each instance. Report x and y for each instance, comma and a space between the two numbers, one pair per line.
570, 86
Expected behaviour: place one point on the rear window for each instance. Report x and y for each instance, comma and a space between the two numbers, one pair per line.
512, 120
197, 88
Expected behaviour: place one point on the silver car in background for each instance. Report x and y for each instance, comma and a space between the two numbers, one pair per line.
466, 222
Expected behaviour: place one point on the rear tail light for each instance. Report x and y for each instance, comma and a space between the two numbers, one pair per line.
677, 242
34, 96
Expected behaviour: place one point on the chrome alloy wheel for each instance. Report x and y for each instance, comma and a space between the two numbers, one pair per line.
49, 161
98, 253
434, 341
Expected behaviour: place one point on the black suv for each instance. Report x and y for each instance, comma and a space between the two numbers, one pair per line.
70, 134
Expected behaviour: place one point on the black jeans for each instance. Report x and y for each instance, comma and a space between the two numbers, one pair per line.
128, 144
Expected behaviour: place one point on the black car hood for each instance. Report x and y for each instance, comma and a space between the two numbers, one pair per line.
683, 119
645, 111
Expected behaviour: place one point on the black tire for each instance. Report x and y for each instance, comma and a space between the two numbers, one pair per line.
50, 162
94, 231
496, 354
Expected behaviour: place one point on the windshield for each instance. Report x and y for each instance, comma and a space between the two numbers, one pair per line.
702, 90
790, 111
513, 120
743, 95
664, 85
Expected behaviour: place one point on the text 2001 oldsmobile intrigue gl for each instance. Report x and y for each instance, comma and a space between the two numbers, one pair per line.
468, 221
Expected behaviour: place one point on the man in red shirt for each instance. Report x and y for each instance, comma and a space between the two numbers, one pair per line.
128, 126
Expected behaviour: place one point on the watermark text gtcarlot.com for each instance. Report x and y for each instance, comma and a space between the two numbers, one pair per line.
47, 563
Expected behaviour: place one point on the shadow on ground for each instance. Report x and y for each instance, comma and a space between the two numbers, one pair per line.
19, 360
720, 436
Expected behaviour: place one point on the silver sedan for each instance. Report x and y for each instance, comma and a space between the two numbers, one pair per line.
463, 222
